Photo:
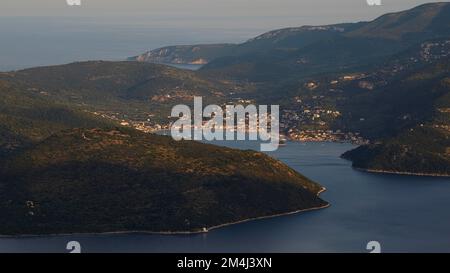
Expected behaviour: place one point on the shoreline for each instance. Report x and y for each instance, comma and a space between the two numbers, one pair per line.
401, 173
356, 143
130, 232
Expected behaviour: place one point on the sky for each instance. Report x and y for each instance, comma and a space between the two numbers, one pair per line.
254, 13
42, 32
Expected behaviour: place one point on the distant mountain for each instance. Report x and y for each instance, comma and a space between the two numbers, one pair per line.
337, 48
203, 54
423, 22
304, 50
289, 38
108, 180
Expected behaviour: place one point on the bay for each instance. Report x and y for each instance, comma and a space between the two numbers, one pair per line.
403, 213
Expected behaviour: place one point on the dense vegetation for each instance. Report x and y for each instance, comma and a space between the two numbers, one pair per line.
116, 88
406, 101
27, 117
422, 150
100, 180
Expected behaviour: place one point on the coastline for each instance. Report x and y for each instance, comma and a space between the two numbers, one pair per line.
170, 232
401, 173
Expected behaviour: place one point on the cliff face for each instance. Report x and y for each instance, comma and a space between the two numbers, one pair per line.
195, 54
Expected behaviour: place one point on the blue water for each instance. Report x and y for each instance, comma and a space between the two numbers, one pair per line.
187, 66
40, 41
403, 213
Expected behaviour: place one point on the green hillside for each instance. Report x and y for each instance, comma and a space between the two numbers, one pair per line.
97, 180
420, 150
27, 117
422, 147
121, 90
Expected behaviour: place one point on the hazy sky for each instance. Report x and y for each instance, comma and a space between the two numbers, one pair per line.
255, 13
43, 32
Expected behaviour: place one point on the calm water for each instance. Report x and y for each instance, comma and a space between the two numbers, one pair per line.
187, 66
403, 213
38, 41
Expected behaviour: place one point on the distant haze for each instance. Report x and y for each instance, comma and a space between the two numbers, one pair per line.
51, 32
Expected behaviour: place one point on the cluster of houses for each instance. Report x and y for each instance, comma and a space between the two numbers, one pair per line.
325, 136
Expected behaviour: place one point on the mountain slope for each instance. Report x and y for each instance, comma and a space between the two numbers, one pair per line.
100, 80
426, 21
299, 52
122, 90
27, 116
420, 150
101, 180
416, 125
338, 48
282, 38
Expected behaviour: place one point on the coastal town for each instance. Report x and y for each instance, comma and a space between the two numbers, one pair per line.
290, 125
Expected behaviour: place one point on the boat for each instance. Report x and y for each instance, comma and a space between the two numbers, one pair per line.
282, 141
